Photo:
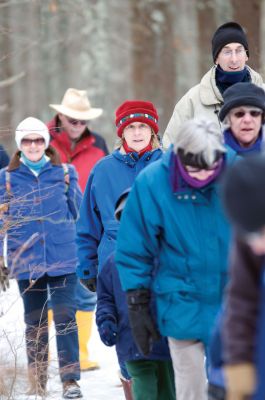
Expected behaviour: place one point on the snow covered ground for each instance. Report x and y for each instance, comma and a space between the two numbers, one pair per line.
96, 385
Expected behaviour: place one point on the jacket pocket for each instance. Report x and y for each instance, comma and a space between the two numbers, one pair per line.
63, 236
181, 313
108, 241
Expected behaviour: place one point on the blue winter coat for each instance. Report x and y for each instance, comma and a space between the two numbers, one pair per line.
112, 305
97, 227
40, 218
189, 234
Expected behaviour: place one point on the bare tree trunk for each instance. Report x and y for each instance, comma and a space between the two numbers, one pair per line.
153, 54
187, 46
5, 83
262, 38
206, 28
248, 14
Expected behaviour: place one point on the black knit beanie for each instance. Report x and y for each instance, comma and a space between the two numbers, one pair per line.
231, 32
243, 192
242, 94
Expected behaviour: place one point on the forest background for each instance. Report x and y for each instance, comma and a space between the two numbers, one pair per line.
115, 49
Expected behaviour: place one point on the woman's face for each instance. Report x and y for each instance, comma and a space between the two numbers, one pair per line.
137, 135
245, 124
33, 147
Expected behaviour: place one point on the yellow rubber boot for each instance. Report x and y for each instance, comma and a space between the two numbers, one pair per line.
84, 320
50, 318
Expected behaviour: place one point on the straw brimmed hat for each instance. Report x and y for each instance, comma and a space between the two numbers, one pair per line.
75, 104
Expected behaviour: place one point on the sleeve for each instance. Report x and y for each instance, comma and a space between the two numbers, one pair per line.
74, 194
138, 237
215, 345
106, 307
89, 232
241, 305
100, 143
182, 112
4, 157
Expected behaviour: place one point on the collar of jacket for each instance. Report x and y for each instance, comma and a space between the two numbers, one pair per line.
209, 92
131, 159
85, 142
50, 152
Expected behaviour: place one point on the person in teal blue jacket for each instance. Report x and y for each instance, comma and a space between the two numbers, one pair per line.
174, 214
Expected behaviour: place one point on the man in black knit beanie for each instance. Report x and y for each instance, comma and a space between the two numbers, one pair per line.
230, 53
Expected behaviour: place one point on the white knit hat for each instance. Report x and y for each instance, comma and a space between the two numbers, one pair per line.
31, 125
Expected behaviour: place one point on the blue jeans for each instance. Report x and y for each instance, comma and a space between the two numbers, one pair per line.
85, 300
62, 297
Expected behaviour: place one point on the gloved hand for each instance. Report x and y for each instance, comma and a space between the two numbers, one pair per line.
240, 380
142, 325
4, 280
89, 284
108, 332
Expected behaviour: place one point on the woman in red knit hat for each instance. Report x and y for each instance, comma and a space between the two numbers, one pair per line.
137, 146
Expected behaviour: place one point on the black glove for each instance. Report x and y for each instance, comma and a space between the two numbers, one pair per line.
108, 332
89, 284
142, 325
4, 280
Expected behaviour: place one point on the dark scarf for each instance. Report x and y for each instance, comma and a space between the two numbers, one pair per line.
225, 79
233, 143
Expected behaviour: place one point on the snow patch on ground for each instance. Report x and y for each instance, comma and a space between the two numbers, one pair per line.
101, 384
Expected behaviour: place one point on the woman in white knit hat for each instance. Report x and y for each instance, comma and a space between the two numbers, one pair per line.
39, 199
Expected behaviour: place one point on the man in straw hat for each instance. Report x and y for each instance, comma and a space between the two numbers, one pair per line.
78, 145
72, 138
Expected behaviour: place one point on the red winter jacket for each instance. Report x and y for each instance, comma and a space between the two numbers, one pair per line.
88, 150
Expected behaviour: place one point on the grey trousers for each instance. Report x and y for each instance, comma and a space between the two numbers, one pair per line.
188, 358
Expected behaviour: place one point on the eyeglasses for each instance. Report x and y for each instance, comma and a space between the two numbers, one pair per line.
238, 52
190, 168
140, 127
76, 121
242, 113
28, 142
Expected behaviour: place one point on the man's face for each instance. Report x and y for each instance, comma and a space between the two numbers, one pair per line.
245, 124
73, 127
232, 57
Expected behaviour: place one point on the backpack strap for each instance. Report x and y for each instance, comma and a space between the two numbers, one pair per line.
66, 176
8, 184
5, 207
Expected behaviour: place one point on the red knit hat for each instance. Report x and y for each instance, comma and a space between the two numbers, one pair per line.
136, 111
